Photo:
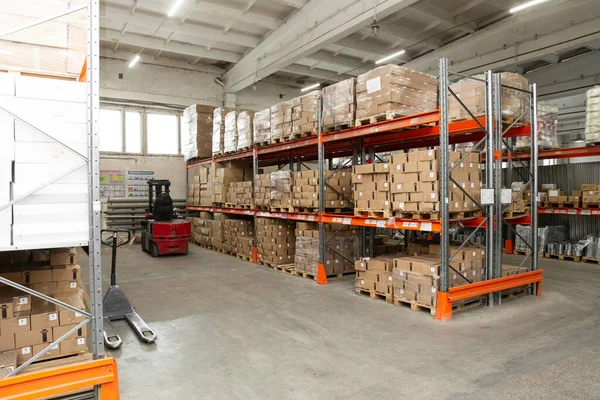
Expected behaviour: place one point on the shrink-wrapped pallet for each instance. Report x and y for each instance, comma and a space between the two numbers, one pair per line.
547, 129
339, 103
592, 116
262, 126
230, 139
218, 131
244, 130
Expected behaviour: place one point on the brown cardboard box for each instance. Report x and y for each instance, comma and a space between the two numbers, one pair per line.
58, 331
67, 287
7, 342
365, 284
48, 288
20, 322
68, 317
8, 363
587, 187
73, 346
63, 257
43, 314
6, 308
52, 353
11, 273
37, 275
24, 354
33, 337
421, 264
380, 264
66, 273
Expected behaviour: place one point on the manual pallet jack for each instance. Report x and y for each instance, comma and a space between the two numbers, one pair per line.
116, 304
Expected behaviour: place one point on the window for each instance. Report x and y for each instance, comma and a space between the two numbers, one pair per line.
111, 130
133, 132
162, 133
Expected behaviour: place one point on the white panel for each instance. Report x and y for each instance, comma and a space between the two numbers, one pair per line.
7, 84
50, 213
5, 221
54, 198
7, 137
66, 133
51, 89
44, 153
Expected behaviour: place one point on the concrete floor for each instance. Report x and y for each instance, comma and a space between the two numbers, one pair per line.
229, 329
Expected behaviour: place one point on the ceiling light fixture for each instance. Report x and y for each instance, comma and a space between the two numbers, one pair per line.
175, 7
384, 59
523, 6
316, 85
134, 61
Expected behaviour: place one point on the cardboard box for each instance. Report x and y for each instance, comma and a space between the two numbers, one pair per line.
20, 322
24, 354
52, 353
67, 287
6, 308
7, 342
8, 362
63, 257
44, 314
66, 273
73, 346
424, 265
68, 317
33, 337
37, 275
58, 331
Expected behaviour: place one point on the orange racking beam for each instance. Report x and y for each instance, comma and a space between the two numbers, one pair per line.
62, 380
445, 299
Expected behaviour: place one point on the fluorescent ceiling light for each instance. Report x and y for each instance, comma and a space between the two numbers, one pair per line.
175, 7
134, 61
316, 85
384, 59
523, 6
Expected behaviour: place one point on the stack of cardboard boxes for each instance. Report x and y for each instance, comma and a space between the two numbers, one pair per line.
590, 194
206, 185
238, 237
244, 130
305, 115
202, 228
374, 275
262, 191
372, 188
240, 195
218, 239
396, 90
222, 180
281, 183
199, 133
345, 243
472, 93
200, 188
281, 122
230, 137
27, 323
262, 127
415, 182
338, 191
218, 132
339, 104
275, 241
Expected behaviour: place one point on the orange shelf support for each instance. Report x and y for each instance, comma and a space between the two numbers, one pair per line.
61, 380
83, 73
445, 300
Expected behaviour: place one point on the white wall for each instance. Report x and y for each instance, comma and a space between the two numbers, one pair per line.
178, 83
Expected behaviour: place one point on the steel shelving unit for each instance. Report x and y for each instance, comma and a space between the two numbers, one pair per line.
417, 131
100, 373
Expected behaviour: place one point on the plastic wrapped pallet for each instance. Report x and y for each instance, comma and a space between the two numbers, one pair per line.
281, 189
592, 115
199, 121
546, 235
244, 130
547, 129
230, 138
218, 131
396, 90
339, 103
305, 114
472, 93
281, 121
262, 126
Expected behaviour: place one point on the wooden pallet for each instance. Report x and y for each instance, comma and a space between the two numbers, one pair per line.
241, 206
281, 209
358, 212
306, 274
548, 204
374, 295
302, 135
245, 148
307, 210
338, 127
243, 257
526, 253
414, 306
458, 215
514, 293
590, 260
196, 159
591, 205
218, 204
562, 257
515, 214
262, 208
276, 140
417, 215
261, 144
285, 268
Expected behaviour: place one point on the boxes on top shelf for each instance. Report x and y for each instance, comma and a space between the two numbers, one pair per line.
244, 129
230, 137
281, 121
199, 121
305, 114
339, 103
262, 127
592, 115
218, 132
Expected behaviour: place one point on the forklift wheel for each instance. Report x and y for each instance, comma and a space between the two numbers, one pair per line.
153, 250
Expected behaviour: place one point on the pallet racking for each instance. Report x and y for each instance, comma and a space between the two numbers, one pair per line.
418, 131
100, 372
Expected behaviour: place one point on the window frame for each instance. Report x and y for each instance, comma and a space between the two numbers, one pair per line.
144, 129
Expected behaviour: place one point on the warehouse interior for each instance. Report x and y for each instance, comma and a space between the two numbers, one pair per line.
286, 187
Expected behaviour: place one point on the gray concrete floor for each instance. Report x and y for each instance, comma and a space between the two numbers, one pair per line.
229, 329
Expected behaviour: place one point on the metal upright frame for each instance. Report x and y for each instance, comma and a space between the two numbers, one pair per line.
99, 373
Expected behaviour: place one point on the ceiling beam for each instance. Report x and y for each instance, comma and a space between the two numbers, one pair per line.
292, 3
110, 14
519, 39
408, 34
371, 47
322, 74
342, 60
467, 7
461, 23
234, 13
317, 24
148, 42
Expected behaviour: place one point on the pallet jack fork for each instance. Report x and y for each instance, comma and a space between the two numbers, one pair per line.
116, 304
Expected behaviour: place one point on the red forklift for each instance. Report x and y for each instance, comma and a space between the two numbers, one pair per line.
163, 230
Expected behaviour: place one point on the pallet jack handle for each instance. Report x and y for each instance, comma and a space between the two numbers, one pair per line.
114, 243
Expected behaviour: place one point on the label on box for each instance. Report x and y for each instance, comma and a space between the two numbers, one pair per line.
22, 321
433, 195
362, 281
26, 350
80, 341
77, 315
373, 85
23, 300
431, 174
73, 285
52, 317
